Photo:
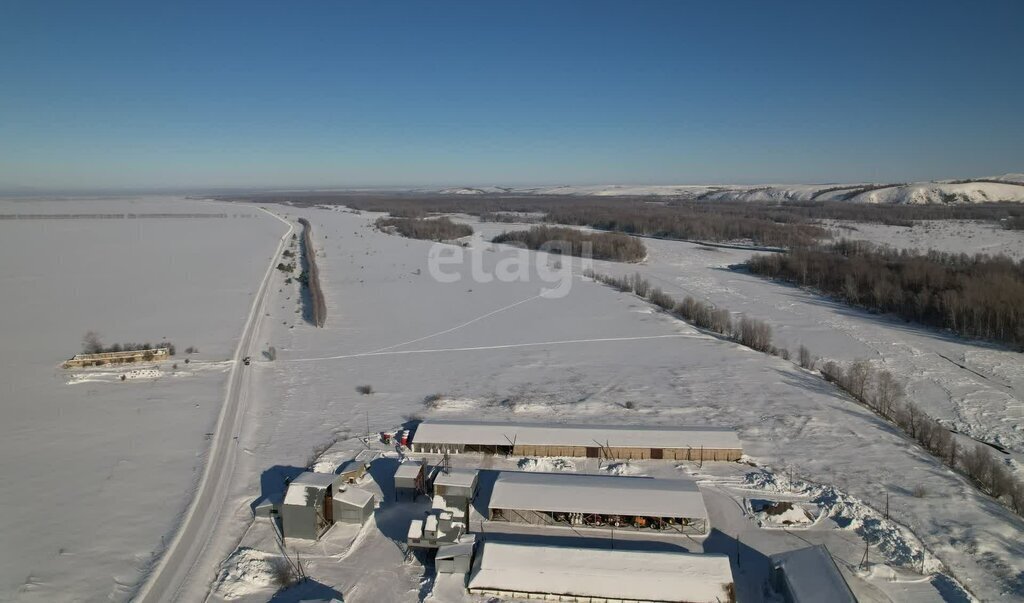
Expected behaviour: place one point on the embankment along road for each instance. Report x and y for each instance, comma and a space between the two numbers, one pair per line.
318, 307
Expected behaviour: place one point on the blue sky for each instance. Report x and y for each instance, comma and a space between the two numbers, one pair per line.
304, 94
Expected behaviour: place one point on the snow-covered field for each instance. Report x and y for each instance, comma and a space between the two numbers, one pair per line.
120, 465
949, 236
97, 470
497, 349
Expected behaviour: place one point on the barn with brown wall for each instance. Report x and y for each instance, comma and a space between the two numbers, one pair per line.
633, 442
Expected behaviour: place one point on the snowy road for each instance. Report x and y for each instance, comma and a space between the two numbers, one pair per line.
181, 557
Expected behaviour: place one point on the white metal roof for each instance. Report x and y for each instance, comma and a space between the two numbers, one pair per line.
456, 477
812, 575
409, 470
590, 572
458, 549
488, 433
603, 494
354, 496
315, 480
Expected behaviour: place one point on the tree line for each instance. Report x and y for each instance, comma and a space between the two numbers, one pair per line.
880, 391
570, 241
751, 332
431, 229
885, 395
93, 344
977, 296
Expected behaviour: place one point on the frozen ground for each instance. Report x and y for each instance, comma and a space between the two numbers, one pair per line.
96, 470
976, 388
497, 349
950, 236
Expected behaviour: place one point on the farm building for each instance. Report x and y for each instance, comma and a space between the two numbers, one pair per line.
308, 507
455, 558
457, 486
438, 528
597, 441
126, 356
353, 470
352, 505
525, 571
409, 479
598, 501
809, 574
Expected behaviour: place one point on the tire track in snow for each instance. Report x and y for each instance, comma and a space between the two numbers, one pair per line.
498, 347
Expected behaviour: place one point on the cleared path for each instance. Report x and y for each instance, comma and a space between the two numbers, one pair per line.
180, 558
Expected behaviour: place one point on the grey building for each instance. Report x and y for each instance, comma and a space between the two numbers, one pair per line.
409, 479
809, 574
352, 505
307, 510
455, 558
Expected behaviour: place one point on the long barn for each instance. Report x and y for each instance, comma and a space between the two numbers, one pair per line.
635, 442
581, 500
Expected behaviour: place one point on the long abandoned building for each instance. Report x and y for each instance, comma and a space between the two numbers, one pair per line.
596, 441
123, 357
580, 500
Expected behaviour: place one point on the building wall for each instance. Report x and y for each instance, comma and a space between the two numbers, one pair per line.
299, 522
619, 453
344, 513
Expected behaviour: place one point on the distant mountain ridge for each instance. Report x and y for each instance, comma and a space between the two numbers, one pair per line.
1006, 188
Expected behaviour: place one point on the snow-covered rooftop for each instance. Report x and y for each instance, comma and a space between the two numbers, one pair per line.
812, 575
615, 574
315, 480
409, 470
456, 478
603, 494
490, 433
354, 496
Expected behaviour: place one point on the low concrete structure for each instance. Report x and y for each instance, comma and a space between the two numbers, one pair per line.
693, 443
353, 505
808, 575
123, 357
525, 571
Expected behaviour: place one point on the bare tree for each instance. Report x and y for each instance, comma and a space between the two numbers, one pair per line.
857, 377
91, 343
806, 360
888, 391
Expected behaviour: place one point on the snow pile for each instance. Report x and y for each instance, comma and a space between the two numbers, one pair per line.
546, 465
622, 469
246, 572
770, 513
898, 544
146, 373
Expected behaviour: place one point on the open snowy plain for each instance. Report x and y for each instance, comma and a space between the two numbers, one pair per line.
498, 349
96, 470
101, 470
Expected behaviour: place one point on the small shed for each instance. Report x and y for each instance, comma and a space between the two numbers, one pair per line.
409, 479
353, 505
307, 510
455, 558
353, 470
456, 485
809, 574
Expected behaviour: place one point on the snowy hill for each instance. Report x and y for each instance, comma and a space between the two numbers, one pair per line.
1006, 188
